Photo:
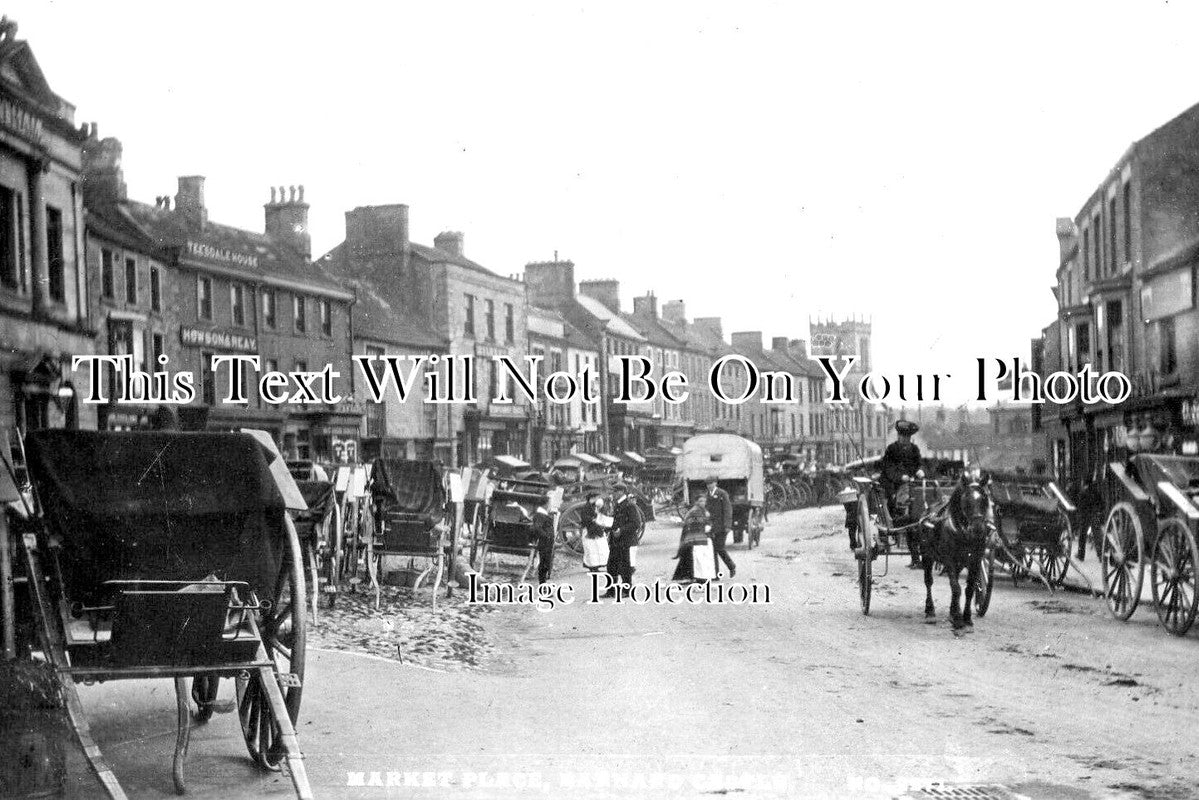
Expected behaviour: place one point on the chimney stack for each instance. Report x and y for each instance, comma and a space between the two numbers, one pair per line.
711, 325
674, 311
287, 219
646, 306
449, 242
550, 283
747, 340
605, 291
189, 201
102, 173
373, 231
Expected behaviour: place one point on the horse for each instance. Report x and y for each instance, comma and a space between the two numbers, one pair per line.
957, 537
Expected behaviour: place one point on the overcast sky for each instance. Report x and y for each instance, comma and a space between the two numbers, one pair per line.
762, 161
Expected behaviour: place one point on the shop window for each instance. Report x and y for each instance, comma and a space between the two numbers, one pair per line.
1167, 346
54, 255
10, 265
1115, 335
155, 289
207, 379
204, 298
130, 281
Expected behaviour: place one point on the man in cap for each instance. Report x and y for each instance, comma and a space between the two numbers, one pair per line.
627, 526
720, 507
899, 464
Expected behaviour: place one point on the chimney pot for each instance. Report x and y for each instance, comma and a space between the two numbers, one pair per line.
288, 221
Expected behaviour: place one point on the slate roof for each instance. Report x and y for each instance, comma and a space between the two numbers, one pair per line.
169, 229
609, 320
436, 256
654, 332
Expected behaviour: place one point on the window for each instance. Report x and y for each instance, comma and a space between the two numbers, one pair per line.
130, 281
204, 297
237, 304
1097, 242
207, 378
1128, 222
106, 276
1086, 251
1112, 263
1083, 343
10, 265
155, 288
1167, 349
157, 348
54, 255
326, 318
1115, 335
489, 305
376, 413
268, 307
297, 307
509, 323
302, 366
469, 327
272, 365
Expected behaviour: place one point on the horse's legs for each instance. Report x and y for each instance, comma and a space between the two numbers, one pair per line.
972, 569
955, 595
927, 562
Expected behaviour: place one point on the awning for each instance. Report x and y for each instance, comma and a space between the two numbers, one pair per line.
586, 459
634, 457
608, 457
510, 461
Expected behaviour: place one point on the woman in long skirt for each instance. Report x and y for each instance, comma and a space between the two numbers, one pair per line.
696, 524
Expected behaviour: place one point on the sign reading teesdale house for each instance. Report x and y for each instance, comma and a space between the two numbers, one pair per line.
218, 340
220, 255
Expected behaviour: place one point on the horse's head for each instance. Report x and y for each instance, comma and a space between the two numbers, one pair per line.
971, 504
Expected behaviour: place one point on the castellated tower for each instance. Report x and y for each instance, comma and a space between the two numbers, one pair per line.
849, 337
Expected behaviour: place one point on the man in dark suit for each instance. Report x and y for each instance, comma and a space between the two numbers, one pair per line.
900, 463
543, 526
721, 509
627, 526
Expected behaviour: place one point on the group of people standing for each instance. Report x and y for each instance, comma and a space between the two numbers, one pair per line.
706, 524
610, 542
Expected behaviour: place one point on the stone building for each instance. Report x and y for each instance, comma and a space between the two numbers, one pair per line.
467, 307
44, 319
560, 429
1125, 290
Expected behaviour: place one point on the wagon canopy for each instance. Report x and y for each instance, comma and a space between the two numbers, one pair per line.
726, 457
412, 486
158, 505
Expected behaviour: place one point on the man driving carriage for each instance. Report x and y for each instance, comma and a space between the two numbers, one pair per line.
899, 464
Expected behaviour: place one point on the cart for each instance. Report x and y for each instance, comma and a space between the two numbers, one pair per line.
1033, 518
413, 520
1152, 522
736, 463
169, 555
509, 529
879, 535
320, 530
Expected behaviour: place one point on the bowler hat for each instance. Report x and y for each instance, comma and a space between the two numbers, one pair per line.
906, 427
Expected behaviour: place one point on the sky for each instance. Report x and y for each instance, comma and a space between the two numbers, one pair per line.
765, 162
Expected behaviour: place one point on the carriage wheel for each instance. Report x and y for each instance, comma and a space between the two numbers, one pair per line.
283, 627
334, 557
1172, 576
985, 583
570, 528
1122, 560
1055, 557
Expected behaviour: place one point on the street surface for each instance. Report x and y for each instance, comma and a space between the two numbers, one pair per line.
1048, 697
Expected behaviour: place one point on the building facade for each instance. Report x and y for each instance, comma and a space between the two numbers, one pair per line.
44, 308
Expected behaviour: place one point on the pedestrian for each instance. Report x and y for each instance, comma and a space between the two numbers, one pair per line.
696, 526
595, 533
543, 526
721, 509
627, 527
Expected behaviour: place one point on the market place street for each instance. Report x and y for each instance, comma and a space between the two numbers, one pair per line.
1048, 696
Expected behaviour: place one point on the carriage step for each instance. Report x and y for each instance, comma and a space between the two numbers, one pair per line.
289, 680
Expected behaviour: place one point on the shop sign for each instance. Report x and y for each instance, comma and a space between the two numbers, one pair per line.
20, 121
218, 340
345, 451
222, 255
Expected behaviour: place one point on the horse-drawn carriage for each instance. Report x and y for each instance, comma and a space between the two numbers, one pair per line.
1153, 522
509, 528
876, 532
412, 520
1035, 532
167, 555
736, 465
